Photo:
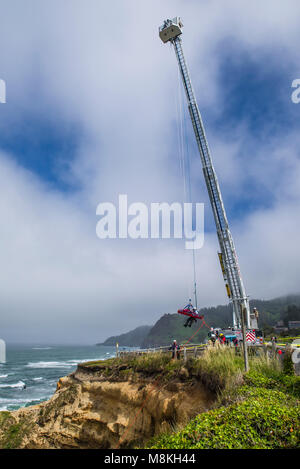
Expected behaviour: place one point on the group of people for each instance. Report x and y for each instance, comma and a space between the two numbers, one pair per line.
215, 337
219, 338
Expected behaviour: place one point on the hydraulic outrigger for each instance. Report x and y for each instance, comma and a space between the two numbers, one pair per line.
171, 31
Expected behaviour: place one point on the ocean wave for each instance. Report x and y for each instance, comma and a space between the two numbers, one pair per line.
19, 384
75, 362
39, 378
49, 365
3, 376
6, 400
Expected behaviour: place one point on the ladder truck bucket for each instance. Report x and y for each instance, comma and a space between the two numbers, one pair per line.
170, 29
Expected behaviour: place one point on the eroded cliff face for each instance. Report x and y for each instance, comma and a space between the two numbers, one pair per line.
91, 410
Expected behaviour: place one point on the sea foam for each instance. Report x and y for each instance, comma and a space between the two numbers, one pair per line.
49, 365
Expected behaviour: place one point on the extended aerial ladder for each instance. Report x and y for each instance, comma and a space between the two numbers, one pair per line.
171, 31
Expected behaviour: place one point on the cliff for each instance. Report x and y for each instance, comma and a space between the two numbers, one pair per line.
107, 405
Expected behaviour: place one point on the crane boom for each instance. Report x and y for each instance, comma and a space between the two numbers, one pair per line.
171, 31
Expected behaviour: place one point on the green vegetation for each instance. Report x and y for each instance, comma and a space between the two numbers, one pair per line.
217, 368
286, 340
13, 436
147, 365
258, 409
170, 326
4, 416
254, 410
262, 420
100, 364
291, 313
282, 308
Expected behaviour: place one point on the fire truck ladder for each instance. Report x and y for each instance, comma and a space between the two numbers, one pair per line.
171, 31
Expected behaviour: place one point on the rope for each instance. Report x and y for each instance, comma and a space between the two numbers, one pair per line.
193, 334
184, 168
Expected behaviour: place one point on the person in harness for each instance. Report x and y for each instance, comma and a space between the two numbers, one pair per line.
192, 313
189, 307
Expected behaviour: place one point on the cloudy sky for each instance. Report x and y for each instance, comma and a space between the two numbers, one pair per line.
93, 111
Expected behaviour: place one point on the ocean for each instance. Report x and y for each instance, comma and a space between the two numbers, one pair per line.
31, 372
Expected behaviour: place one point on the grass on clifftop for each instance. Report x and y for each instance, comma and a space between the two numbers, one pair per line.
147, 365
217, 368
259, 409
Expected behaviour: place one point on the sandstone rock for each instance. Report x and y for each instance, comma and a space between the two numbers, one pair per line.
94, 412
